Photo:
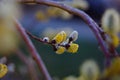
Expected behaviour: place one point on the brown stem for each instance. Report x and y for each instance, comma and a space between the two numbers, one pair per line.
91, 23
30, 65
36, 38
33, 51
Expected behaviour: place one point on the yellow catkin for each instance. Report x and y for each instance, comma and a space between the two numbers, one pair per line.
60, 50
52, 12
9, 40
113, 69
3, 70
56, 12
60, 37
115, 40
111, 21
40, 15
82, 4
73, 48
81, 77
90, 70
70, 78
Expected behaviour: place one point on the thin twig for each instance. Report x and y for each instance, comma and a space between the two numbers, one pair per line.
36, 38
29, 64
33, 51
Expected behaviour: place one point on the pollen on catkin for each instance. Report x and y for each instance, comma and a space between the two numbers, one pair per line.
73, 48
60, 50
60, 37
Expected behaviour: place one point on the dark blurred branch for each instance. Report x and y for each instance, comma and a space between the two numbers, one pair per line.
98, 32
33, 51
30, 65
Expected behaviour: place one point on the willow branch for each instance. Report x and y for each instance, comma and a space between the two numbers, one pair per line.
29, 64
45, 42
33, 51
91, 23
36, 38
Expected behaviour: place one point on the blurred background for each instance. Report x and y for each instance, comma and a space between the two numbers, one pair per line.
45, 21
65, 64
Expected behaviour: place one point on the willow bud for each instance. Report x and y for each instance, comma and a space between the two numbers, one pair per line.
73, 36
46, 39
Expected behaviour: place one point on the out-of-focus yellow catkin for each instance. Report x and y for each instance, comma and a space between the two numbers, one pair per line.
111, 25
81, 77
116, 77
82, 4
40, 15
3, 70
90, 70
65, 15
52, 11
70, 78
57, 12
113, 69
73, 48
111, 21
60, 50
60, 37
9, 9
8, 40
115, 40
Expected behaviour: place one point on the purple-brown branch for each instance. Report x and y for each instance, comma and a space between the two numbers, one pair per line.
36, 38
91, 23
98, 32
30, 65
33, 51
